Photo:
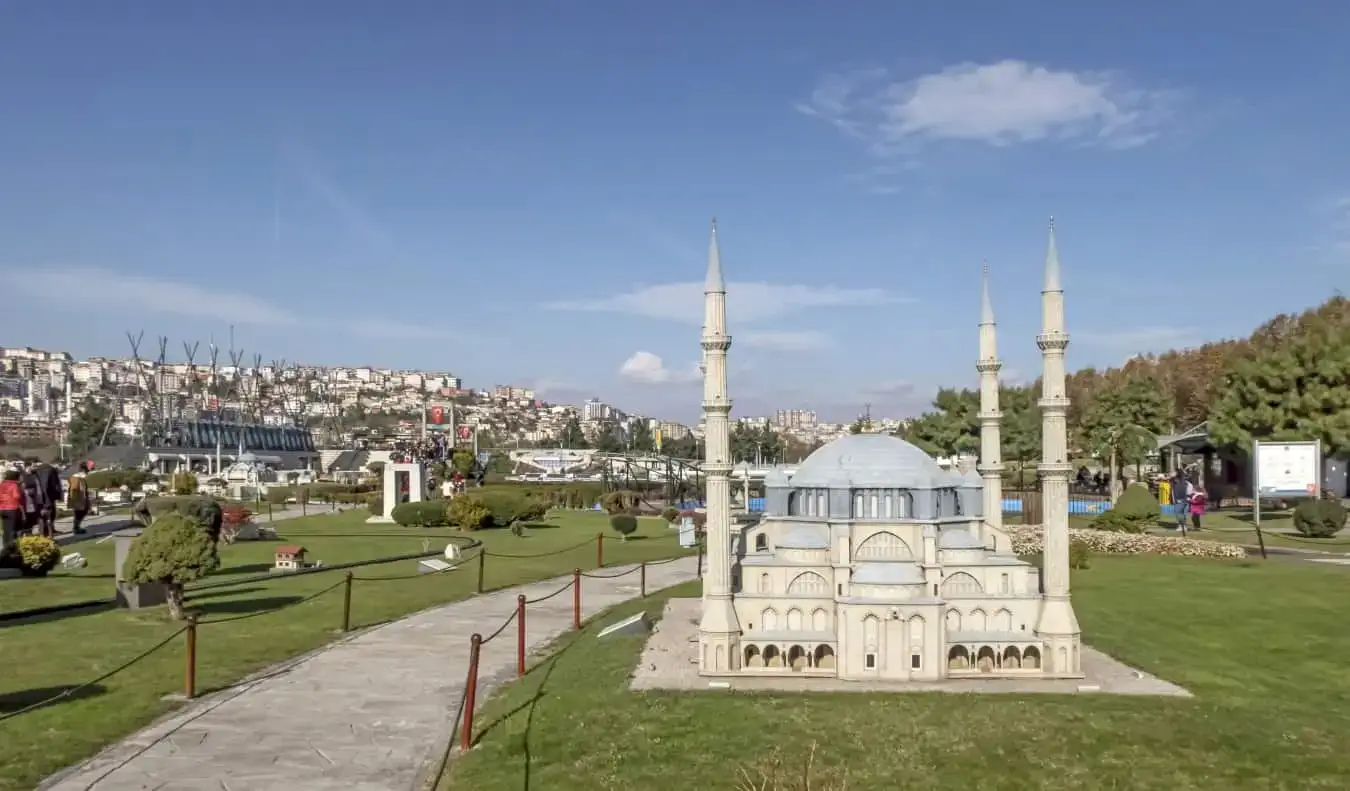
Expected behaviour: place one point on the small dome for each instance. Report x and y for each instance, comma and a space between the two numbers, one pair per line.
805, 537
958, 539
877, 460
887, 574
775, 477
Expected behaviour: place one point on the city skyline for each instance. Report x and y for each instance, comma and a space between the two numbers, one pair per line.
527, 203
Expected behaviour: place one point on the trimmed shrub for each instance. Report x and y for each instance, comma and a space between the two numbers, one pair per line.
1137, 504
1116, 522
200, 509
670, 514
1319, 518
183, 483
116, 479
173, 551
624, 524
1080, 556
374, 503
37, 555
423, 514
467, 512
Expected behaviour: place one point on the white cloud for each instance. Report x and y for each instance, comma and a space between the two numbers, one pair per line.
1142, 339
784, 340
106, 290
649, 369
746, 302
102, 288
998, 104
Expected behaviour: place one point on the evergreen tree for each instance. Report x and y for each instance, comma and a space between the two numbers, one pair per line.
572, 436
86, 426
640, 437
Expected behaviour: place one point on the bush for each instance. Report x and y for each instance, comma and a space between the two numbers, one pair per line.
1116, 522
1137, 504
624, 524
1319, 518
202, 510
507, 506
1080, 556
233, 518
374, 503
173, 551
278, 495
421, 514
37, 555
116, 479
670, 514
302, 495
467, 512
619, 502
183, 483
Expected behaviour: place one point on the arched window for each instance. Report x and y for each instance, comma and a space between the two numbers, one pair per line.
765, 583
1004, 585
820, 621
794, 504
769, 619
961, 584
762, 543
883, 546
794, 619
809, 583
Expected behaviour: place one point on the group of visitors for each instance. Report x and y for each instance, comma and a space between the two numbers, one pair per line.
29, 494
1093, 483
436, 447
1187, 498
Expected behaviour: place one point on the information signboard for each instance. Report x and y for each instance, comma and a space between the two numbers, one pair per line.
1288, 469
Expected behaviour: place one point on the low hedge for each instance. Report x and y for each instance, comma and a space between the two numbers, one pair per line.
205, 511
1026, 540
1319, 518
427, 513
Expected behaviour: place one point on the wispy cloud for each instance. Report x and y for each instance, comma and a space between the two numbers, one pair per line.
304, 163
646, 368
746, 302
999, 104
107, 290
1141, 339
785, 340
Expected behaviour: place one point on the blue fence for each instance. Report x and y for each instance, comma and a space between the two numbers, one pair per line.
1013, 505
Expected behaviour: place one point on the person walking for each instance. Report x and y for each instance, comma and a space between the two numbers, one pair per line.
1197, 507
1181, 498
77, 499
32, 497
52, 493
13, 514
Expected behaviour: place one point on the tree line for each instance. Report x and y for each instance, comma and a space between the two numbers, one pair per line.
1288, 380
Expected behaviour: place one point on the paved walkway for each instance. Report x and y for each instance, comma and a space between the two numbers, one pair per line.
366, 714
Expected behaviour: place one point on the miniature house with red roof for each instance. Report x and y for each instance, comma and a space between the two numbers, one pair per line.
289, 558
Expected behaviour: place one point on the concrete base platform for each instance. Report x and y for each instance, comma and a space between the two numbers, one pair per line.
670, 661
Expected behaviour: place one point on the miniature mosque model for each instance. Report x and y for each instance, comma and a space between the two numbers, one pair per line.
872, 562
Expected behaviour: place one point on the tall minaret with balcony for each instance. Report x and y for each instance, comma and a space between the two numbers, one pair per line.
991, 442
1057, 626
719, 631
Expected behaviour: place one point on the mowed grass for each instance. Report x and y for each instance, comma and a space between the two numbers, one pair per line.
1260, 645
248, 627
1237, 527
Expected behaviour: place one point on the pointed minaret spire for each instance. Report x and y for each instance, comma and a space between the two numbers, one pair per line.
991, 441
714, 283
1052, 283
1057, 625
719, 628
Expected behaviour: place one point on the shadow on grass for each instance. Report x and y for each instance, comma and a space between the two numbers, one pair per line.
246, 568
207, 594
543, 671
243, 606
13, 702
55, 613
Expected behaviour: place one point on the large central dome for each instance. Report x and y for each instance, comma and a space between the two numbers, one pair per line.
869, 460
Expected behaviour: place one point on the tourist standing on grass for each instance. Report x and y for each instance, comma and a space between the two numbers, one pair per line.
51, 493
13, 515
32, 497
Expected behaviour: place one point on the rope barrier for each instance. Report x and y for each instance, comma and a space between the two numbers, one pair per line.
538, 554
69, 692
557, 592
462, 560
246, 616
500, 629
609, 576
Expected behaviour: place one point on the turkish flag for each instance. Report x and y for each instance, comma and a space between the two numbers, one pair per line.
438, 415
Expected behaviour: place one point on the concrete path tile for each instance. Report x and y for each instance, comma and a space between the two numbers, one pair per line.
365, 714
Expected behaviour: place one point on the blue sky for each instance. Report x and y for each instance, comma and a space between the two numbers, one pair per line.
520, 192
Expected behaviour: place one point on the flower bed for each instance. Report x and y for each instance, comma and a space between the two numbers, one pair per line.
1026, 540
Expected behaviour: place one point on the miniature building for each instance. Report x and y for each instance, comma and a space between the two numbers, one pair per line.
872, 561
289, 558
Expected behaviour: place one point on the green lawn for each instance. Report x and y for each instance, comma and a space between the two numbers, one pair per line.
241, 630
1261, 646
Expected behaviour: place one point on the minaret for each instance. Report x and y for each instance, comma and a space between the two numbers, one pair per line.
719, 632
1057, 626
991, 443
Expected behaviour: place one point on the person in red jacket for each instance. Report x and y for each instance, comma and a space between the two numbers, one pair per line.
12, 515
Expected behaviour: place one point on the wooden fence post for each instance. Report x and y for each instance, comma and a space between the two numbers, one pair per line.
482, 561
599, 550
470, 692
520, 635
190, 669
642, 579
576, 598
347, 603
